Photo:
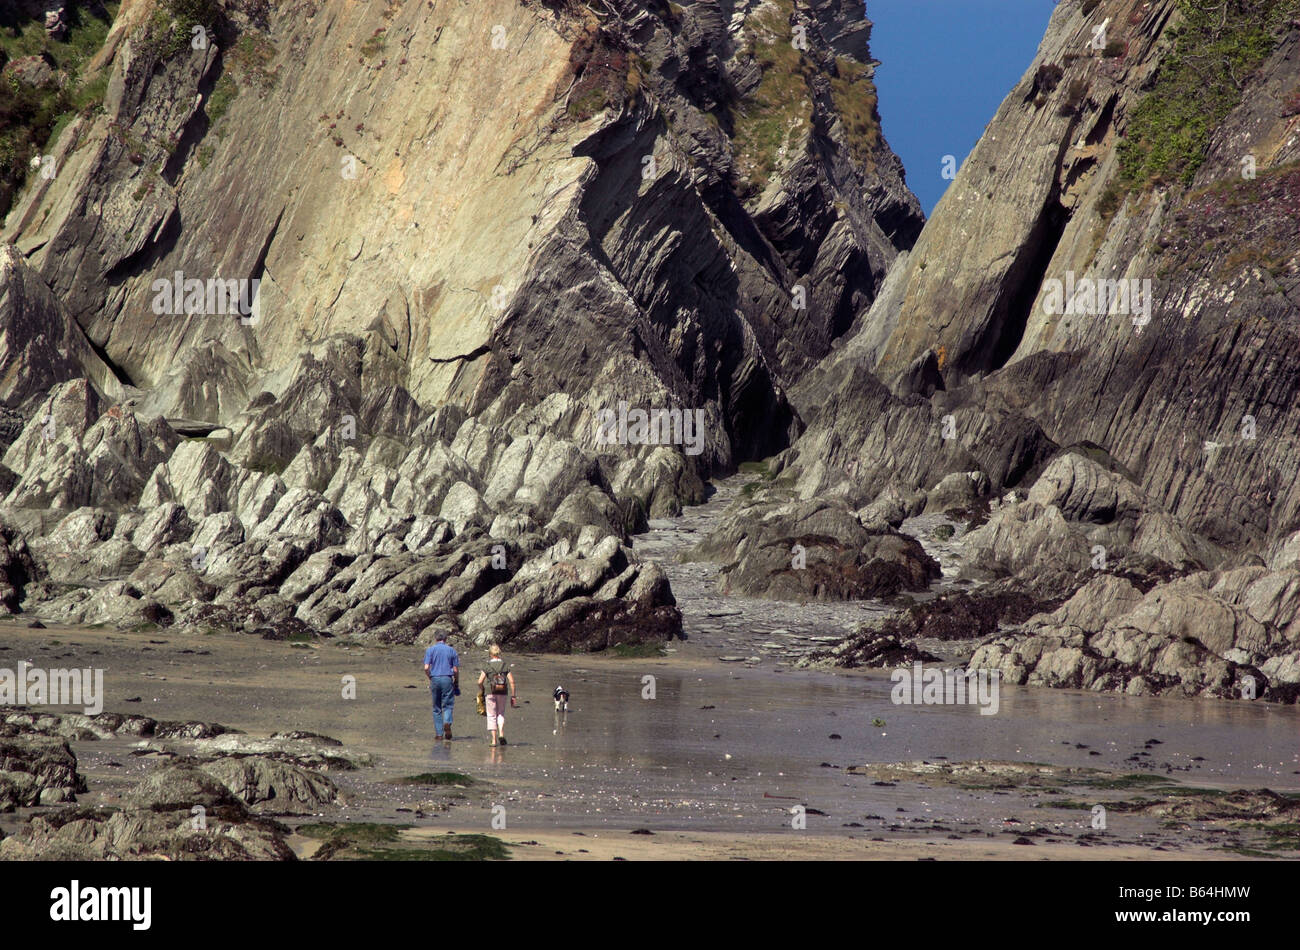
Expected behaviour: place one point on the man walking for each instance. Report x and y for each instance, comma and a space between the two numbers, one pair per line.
442, 666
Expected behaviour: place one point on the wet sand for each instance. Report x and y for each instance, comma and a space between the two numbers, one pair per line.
712, 765
723, 846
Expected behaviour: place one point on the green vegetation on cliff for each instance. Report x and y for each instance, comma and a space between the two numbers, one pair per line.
779, 108
1215, 51
606, 76
856, 102
778, 112
31, 114
171, 28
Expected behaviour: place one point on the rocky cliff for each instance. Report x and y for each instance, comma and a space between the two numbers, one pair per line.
483, 237
330, 297
452, 185
1093, 336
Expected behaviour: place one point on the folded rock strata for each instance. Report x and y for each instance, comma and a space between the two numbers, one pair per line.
337, 369
1142, 440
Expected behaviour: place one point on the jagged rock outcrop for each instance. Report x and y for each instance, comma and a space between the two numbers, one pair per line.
705, 197
387, 420
105, 835
1089, 327
158, 822
373, 535
175, 788
74, 726
1206, 634
1054, 196
271, 787
812, 551
870, 648
40, 345
37, 770
204, 801
1079, 514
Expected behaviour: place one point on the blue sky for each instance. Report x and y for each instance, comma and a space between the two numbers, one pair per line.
947, 66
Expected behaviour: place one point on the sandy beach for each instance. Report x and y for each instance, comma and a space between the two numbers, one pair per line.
717, 765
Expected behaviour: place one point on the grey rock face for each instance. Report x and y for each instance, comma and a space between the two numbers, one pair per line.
676, 285
403, 531
180, 788
1222, 633
1028, 537
1084, 491
957, 490
1031, 212
96, 835
273, 787
812, 551
228, 453
1108, 449
37, 770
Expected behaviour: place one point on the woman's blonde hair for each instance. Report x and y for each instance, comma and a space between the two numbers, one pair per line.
494, 650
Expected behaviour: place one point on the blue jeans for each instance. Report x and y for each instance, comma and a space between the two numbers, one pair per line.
443, 700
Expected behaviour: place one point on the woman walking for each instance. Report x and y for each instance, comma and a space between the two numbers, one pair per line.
496, 683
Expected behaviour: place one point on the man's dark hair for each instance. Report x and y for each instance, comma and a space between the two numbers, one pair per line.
441, 636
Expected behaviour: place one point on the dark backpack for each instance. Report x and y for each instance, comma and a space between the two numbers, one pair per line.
497, 684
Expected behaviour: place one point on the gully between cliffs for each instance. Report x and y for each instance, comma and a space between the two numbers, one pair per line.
752, 630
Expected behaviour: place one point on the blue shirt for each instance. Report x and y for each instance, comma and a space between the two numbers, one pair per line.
440, 658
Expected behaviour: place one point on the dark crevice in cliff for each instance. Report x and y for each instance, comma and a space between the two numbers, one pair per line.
463, 357
259, 265
1011, 310
731, 213
850, 304
900, 225
195, 129
122, 376
153, 251
1099, 128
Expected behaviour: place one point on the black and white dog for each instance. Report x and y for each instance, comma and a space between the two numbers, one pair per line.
561, 699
